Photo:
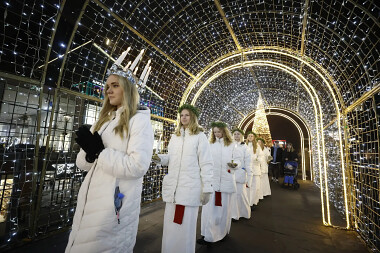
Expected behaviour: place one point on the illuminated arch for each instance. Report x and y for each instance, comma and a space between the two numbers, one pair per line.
319, 125
247, 123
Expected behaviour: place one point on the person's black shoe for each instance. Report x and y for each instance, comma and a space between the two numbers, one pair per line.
202, 241
233, 220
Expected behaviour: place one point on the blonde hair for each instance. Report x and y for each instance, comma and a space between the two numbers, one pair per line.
194, 127
241, 135
130, 103
261, 144
254, 143
227, 137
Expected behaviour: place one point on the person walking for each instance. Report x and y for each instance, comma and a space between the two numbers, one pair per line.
239, 200
216, 214
274, 165
188, 183
254, 183
116, 152
262, 157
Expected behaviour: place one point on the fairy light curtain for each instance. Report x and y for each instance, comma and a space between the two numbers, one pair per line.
185, 40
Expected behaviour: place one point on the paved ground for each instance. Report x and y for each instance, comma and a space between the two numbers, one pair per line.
287, 221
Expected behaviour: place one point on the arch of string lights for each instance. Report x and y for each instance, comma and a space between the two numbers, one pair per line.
334, 46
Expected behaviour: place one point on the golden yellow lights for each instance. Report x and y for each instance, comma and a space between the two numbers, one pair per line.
316, 107
108, 41
241, 54
242, 122
322, 73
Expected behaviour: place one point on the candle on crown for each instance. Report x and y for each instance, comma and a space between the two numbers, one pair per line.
122, 57
136, 60
146, 77
135, 72
145, 70
126, 67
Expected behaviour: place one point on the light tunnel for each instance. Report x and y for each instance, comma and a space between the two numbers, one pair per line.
317, 112
314, 63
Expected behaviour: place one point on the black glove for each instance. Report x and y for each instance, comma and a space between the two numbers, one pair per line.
92, 144
83, 135
96, 146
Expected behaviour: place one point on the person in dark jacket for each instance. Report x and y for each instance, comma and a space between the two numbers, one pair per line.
274, 166
290, 154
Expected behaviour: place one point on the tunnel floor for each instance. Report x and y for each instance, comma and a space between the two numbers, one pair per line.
287, 221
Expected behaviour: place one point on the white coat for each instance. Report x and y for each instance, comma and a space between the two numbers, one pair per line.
223, 176
255, 164
241, 151
240, 201
190, 169
95, 226
262, 157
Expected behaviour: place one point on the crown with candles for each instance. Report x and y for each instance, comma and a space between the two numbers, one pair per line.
130, 70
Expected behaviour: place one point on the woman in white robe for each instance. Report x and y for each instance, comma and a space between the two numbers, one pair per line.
240, 200
254, 184
263, 154
188, 183
216, 214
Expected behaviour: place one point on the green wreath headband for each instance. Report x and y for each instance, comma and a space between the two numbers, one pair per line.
192, 108
237, 129
250, 132
261, 140
218, 124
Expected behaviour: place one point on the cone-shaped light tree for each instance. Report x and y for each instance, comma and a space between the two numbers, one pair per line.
260, 123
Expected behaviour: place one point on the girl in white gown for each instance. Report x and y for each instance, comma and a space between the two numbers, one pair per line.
240, 200
216, 214
188, 183
254, 183
262, 156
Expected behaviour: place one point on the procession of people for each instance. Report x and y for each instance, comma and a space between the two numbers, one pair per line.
222, 174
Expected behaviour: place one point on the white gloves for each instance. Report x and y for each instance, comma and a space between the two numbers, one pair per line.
205, 197
156, 158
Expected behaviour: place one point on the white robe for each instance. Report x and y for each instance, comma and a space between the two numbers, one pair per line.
179, 237
265, 186
240, 202
190, 174
263, 161
255, 190
216, 220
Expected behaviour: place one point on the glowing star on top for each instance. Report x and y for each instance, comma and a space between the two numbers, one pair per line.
260, 122
127, 71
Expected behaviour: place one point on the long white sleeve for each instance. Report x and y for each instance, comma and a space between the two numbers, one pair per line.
205, 163
136, 160
81, 161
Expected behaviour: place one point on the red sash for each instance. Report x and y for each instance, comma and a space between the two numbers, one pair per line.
218, 199
178, 215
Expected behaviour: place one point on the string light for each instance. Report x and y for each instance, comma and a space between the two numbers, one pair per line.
260, 123
340, 61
